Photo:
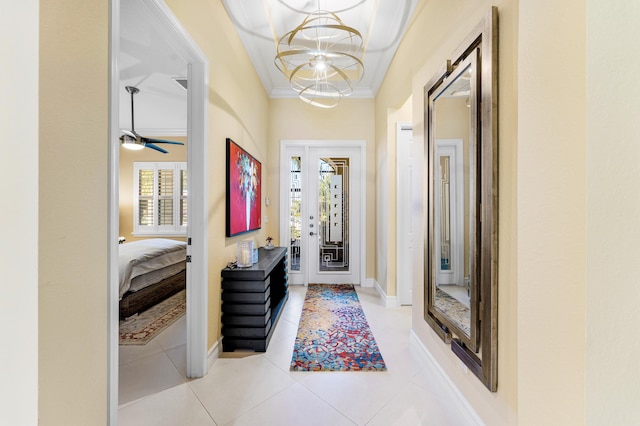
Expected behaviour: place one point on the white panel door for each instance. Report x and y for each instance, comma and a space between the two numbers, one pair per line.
404, 214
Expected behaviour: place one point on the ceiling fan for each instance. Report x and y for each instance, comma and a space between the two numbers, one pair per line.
132, 140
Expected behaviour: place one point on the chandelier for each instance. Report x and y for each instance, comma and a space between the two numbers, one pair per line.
321, 58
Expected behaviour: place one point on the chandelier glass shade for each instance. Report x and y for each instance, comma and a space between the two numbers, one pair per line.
321, 58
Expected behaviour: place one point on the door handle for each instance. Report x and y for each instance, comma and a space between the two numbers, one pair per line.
312, 233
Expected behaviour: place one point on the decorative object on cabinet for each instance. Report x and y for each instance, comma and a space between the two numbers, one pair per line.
244, 177
461, 251
244, 254
269, 244
252, 301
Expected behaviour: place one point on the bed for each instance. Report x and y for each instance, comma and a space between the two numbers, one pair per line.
150, 271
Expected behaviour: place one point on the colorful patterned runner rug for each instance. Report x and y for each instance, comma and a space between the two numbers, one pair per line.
333, 334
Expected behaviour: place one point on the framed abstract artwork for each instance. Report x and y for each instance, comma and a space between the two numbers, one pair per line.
244, 182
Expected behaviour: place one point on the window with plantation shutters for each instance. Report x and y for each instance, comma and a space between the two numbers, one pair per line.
160, 205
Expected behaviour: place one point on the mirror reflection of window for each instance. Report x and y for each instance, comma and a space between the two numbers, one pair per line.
445, 215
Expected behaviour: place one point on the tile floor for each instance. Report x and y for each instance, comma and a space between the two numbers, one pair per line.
259, 389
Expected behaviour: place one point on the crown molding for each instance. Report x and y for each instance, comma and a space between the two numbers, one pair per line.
157, 132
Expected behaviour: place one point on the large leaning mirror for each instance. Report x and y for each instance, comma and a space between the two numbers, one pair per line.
462, 204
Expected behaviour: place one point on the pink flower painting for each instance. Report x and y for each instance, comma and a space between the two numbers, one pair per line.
244, 174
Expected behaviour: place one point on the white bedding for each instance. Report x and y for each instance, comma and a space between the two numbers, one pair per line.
140, 257
153, 277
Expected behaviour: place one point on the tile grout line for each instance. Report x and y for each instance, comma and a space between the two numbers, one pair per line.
202, 404
328, 403
141, 358
259, 404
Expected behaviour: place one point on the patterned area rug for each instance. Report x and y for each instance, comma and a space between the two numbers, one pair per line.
142, 328
333, 334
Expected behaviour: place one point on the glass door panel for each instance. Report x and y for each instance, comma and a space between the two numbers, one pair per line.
333, 215
295, 213
333, 226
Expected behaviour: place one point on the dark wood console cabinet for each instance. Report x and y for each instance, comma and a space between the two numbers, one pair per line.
252, 301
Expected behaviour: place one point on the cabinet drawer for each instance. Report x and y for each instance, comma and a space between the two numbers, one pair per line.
247, 332
245, 309
246, 286
246, 320
234, 297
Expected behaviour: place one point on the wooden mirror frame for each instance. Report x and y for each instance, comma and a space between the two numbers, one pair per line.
478, 350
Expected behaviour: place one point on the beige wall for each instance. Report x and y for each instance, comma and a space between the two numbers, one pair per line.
177, 153
292, 119
74, 65
435, 32
613, 206
19, 189
551, 245
238, 109
386, 198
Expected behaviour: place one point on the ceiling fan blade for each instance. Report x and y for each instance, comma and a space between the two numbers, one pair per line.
161, 141
157, 148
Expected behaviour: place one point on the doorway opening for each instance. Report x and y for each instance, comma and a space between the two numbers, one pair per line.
197, 100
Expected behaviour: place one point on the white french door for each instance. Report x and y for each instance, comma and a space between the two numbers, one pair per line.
322, 217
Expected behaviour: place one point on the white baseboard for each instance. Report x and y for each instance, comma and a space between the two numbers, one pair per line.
392, 302
465, 409
388, 301
369, 282
213, 354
